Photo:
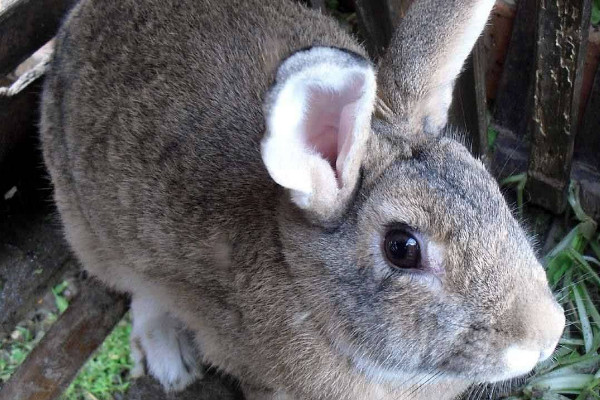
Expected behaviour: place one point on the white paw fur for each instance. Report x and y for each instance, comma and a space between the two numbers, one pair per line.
161, 347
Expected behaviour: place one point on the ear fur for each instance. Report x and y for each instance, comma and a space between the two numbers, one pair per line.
426, 55
318, 118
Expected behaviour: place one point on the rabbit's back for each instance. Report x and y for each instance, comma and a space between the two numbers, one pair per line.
152, 115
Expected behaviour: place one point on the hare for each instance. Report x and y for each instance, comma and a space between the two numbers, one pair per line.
247, 174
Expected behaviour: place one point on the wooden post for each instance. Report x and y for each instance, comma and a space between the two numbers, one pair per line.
587, 154
587, 147
513, 101
562, 33
469, 108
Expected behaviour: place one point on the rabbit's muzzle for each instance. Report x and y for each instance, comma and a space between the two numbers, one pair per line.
542, 323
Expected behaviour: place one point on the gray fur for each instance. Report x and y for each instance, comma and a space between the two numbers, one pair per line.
152, 118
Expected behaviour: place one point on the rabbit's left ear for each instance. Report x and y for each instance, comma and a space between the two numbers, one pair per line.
318, 118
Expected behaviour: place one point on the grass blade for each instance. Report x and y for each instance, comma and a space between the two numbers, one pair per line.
586, 328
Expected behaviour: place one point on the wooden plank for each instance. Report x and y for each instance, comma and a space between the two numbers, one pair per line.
514, 95
25, 25
469, 108
589, 183
212, 387
19, 111
497, 41
562, 33
480, 95
55, 361
511, 154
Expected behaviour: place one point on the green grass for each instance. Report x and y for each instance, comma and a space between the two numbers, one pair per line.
492, 135
572, 270
107, 372
519, 181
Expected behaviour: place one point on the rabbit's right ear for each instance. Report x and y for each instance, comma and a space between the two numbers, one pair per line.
427, 52
318, 119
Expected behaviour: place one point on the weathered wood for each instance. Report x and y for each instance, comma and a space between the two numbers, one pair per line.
513, 100
55, 361
587, 146
512, 156
25, 25
590, 67
589, 183
19, 107
377, 20
469, 109
211, 387
561, 39
497, 40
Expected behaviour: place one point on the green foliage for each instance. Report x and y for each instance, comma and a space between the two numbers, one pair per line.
61, 302
492, 134
107, 372
596, 12
519, 181
574, 370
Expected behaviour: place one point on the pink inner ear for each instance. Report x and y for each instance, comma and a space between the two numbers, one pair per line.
330, 120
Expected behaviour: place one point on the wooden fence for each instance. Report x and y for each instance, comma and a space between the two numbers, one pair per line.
537, 113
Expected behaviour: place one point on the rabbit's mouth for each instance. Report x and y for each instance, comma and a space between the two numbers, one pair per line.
513, 362
377, 372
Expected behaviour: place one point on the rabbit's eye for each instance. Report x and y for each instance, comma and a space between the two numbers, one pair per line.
402, 249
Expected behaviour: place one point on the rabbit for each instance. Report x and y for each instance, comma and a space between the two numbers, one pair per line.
250, 176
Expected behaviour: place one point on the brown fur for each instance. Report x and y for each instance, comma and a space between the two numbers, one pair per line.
151, 129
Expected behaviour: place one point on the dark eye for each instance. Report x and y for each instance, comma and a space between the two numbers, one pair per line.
402, 249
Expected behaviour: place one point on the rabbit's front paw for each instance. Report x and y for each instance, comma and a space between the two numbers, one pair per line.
160, 346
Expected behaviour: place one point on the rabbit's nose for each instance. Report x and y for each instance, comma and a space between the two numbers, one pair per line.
555, 326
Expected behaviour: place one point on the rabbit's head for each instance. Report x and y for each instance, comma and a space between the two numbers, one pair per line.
399, 242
